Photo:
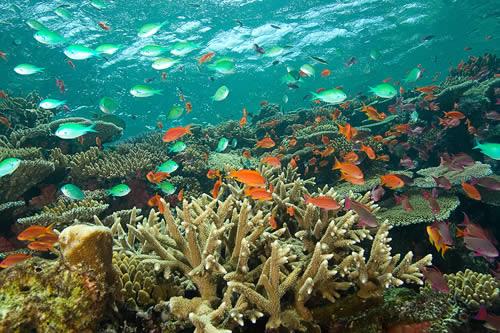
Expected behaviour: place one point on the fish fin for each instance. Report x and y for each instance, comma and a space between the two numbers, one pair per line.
347, 203
337, 164
158, 92
315, 96
482, 314
477, 144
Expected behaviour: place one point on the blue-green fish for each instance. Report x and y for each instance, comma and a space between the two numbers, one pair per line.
98, 4
384, 90
49, 37
167, 187
221, 94
9, 165
413, 75
169, 166
119, 190
234, 143
177, 147
50, 103
27, 69
182, 48
36, 25
274, 51
73, 192
108, 105
223, 66
141, 90
63, 13
331, 96
152, 50
308, 70
491, 150
73, 130
149, 29
222, 145
163, 63
108, 49
175, 112
80, 52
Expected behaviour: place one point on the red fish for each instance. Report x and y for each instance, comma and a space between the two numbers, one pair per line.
272, 161
492, 321
157, 177
243, 120
104, 26
175, 133
273, 223
40, 246
248, 177
180, 195
366, 218
471, 191
323, 202
258, 193
155, 201
3, 55
325, 72
13, 259
369, 151
437, 239
487, 182
267, 142
189, 107
404, 201
206, 58
436, 279
432, 202
456, 162
35, 231
98, 142
377, 193
347, 131
216, 188
442, 182
392, 181
60, 85
481, 247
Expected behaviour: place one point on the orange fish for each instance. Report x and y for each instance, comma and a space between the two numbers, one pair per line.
436, 239
427, 89
369, 151
5, 121
258, 193
471, 191
454, 115
248, 177
326, 72
325, 139
273, 223
212, 174
348, 169
155, 201
180, 195
13, 259
290, 211
351, 179
272, 161
347, 131
243, 120
98, 142
216, 188
206, 58
384, 158
391, 181
372, 113
335, 114
293, 163
322, 201
175, 133
351, 157
430, 97
104, 26
35, 231
3, 55
327, 151
189, 107
41, 246
157, 177
246, 153
267, 142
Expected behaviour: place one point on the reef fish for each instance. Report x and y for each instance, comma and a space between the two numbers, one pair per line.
222, 145
491, 150
108, 105
271, 161
149, 29
220, 94
73, 130
266, 142
168, 166
141, 90
175, 112
436, 279
471, 191
80, 52
119, 190
63, 13
27, 69
222, 66
49, 37
13, 259
35, 232
487, 182
248, 177
392, 181
492, 321
322, 201
177, 147
152, 50
384, 90
9, 165
72, 191
182, 48
175, 133
50, 103
439, 237
167, 187
330, 96
108, 49
413, 75
258, 193
481, 247
163, 63
366, 218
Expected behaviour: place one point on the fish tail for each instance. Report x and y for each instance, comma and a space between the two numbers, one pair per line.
337, 164
477, 144
91, 128
158, 92
314, 96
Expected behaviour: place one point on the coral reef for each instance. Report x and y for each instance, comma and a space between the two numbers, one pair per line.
472, 288
456, 177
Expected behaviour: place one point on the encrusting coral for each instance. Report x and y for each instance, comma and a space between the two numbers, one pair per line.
473, 288
225, 246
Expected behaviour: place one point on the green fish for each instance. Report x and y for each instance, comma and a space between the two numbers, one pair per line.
73, 130
169, 166
223, 66
491, 150
9, 165
80, 52
108, 49
50, 103
163, 63
49, 37
274, 51
384, 90
152, 50
234, 142
221, 94
73, 192
167, 187
222, 145
414, 117
27, 69
177, 147
307, 70
180, 49
374, 54
119, 190
149, 29
413, 75
108, 105
141, 90
331, 96
175, 112
63, 13
36, 25
98, 4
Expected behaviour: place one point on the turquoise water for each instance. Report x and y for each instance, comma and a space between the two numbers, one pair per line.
332, 30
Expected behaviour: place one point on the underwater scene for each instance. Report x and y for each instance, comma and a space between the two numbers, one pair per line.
249, 166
